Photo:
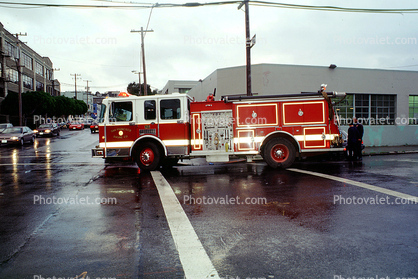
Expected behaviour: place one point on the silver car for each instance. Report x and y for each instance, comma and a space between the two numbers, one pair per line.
3, 126
17, 135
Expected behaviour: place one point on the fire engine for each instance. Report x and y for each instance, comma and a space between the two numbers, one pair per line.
159, 130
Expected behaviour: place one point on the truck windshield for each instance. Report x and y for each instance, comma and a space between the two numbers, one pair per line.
102, 113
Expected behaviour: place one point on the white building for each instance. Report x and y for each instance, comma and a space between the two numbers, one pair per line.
178, 86
82, 96
385, 101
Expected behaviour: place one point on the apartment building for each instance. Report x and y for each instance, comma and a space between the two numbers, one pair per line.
22, 67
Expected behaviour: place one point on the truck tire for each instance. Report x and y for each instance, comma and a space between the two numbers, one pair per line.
279, 153
148, 156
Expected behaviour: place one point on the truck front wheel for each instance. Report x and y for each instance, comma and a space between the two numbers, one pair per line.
279, 153
148, 157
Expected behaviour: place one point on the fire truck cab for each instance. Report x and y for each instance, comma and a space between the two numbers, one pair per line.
161, 129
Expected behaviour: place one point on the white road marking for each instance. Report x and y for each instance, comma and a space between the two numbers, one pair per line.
359, 184
196, 263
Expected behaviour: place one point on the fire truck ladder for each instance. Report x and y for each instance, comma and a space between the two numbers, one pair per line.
333, 94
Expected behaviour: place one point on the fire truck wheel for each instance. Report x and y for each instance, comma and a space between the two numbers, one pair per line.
279, 153
148, 157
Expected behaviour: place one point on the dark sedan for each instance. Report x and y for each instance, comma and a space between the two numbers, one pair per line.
94, 128
47, 130
17, 135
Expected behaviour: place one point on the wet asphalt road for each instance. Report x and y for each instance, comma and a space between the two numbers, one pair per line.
65, 214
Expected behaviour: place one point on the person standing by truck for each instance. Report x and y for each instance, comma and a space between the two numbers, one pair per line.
359, 142
353, 138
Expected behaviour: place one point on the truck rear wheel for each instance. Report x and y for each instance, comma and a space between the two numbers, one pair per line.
279, 153
148, 157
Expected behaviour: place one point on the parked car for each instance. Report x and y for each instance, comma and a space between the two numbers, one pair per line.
63, 125
88, 121
76, 126
17, 135
3, 126
94, 128
47, 130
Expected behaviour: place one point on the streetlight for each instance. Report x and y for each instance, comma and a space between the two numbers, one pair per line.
139, 76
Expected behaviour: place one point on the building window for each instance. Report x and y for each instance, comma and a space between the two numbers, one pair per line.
11, 51
27, 82
39, 86
12, 75
184, 90
49, 74
27, 61
362, 106
345, 109
383, 107
413, 110
39, 69
370, 109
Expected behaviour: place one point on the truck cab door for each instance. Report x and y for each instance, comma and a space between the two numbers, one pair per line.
174, 127
121, 131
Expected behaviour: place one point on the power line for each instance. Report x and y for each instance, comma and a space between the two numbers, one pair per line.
330, 8
94, 86
197, 4
87, 63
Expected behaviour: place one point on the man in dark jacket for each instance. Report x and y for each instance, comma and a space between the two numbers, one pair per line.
353, 138
360, 130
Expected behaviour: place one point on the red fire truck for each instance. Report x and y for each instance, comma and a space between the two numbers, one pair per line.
161, 129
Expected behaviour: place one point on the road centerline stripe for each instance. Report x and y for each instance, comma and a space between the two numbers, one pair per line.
359, 184
193, 257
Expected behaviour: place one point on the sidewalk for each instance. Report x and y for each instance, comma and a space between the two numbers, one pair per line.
384, 150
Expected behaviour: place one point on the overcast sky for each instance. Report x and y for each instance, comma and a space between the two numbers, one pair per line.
190, 43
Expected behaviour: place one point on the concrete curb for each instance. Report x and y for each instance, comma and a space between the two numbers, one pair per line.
387, 150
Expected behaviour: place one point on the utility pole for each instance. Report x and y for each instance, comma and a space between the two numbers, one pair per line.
143, 56
249, 43
19, 72
87, 88
75, 83
19, 75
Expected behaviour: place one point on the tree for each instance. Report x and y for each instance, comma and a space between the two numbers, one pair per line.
43, 104
9, 105
134, 89
62, 106
38, 103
